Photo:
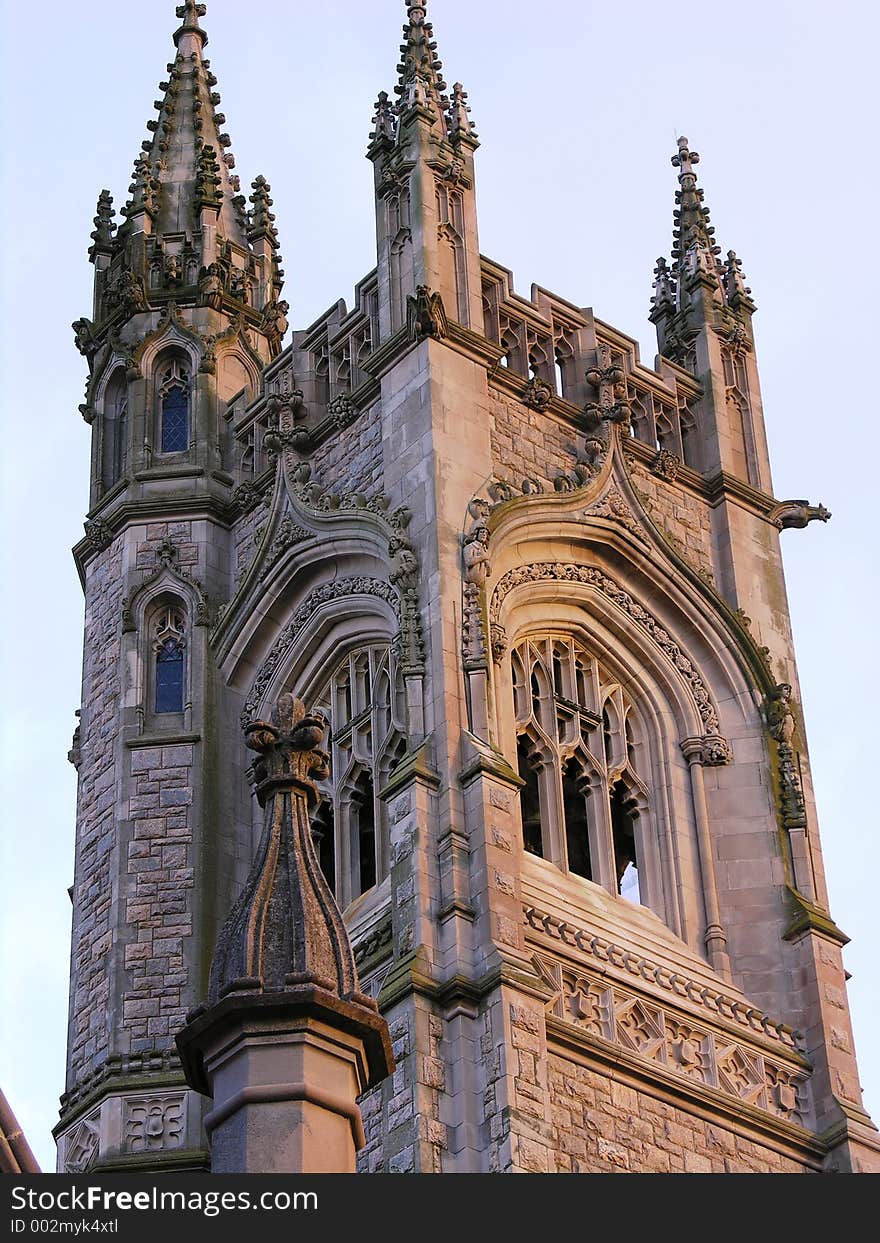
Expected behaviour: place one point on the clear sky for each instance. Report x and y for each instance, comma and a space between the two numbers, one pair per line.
578, 106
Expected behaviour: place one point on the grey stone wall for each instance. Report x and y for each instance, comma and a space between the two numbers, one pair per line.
526, 444
352, 461
94, 880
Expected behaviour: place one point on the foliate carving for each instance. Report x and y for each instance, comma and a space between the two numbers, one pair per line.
590, 577
713, 750
602, 1007
498, 640
154, 1123
289, 534
795, 515
246, 498
589, 460
537, 394
81, 1148
610, 381
613, 506
339, 589
667, 465
425, 315
611, 955
99, 534
341, 410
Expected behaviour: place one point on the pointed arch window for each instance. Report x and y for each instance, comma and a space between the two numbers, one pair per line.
578, 754
364, 702
174, 406
169, 643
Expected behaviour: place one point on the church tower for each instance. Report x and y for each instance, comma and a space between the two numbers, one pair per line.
535, 587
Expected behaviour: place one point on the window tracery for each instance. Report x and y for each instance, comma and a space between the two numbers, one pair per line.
364, 701
169, 644
579, 752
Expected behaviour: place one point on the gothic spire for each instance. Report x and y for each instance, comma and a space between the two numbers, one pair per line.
420, 88
186, 164
694, 251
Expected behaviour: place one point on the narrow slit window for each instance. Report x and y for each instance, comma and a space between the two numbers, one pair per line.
577, 827
365, 816
169, 661
530, 801
623, 830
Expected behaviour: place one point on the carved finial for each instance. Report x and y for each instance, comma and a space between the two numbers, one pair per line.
261, 218
285, 929
694, 252
685, 159
737, 293
420, 85
189, 14
207, 178
384, 129
459, 123
664, 285
104, 235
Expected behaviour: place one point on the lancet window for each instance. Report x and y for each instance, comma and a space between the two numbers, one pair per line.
579, 755
364, 702
169, 654
174, 405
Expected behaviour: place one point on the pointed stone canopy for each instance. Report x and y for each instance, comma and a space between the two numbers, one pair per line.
186, 164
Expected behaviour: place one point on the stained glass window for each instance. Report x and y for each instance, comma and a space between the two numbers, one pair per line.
175, 420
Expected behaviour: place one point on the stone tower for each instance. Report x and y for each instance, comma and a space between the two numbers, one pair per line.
535, 587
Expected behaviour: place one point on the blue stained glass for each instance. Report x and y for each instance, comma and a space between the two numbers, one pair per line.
169, 677
175, 421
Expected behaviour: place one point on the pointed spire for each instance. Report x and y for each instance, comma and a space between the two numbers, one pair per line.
104, 234
694, 252
420, 88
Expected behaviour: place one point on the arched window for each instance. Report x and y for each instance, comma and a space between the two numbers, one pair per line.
578, 752
174, 405
114, 446
364, 701
169, 644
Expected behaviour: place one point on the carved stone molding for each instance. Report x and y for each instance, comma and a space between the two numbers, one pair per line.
288, 535
700, 995
591, 1003
166, 555
99, 534
339, 589
614, 507
82, 1145
590, 577
154, 1123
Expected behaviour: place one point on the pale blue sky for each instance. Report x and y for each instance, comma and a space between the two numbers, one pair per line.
578, 106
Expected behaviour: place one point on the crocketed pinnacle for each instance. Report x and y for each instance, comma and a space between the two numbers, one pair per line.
421, 92
186, 164
694, 252
103, 237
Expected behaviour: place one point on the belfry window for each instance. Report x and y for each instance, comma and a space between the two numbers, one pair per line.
364, 702
168, 648
174, 407
578, 752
